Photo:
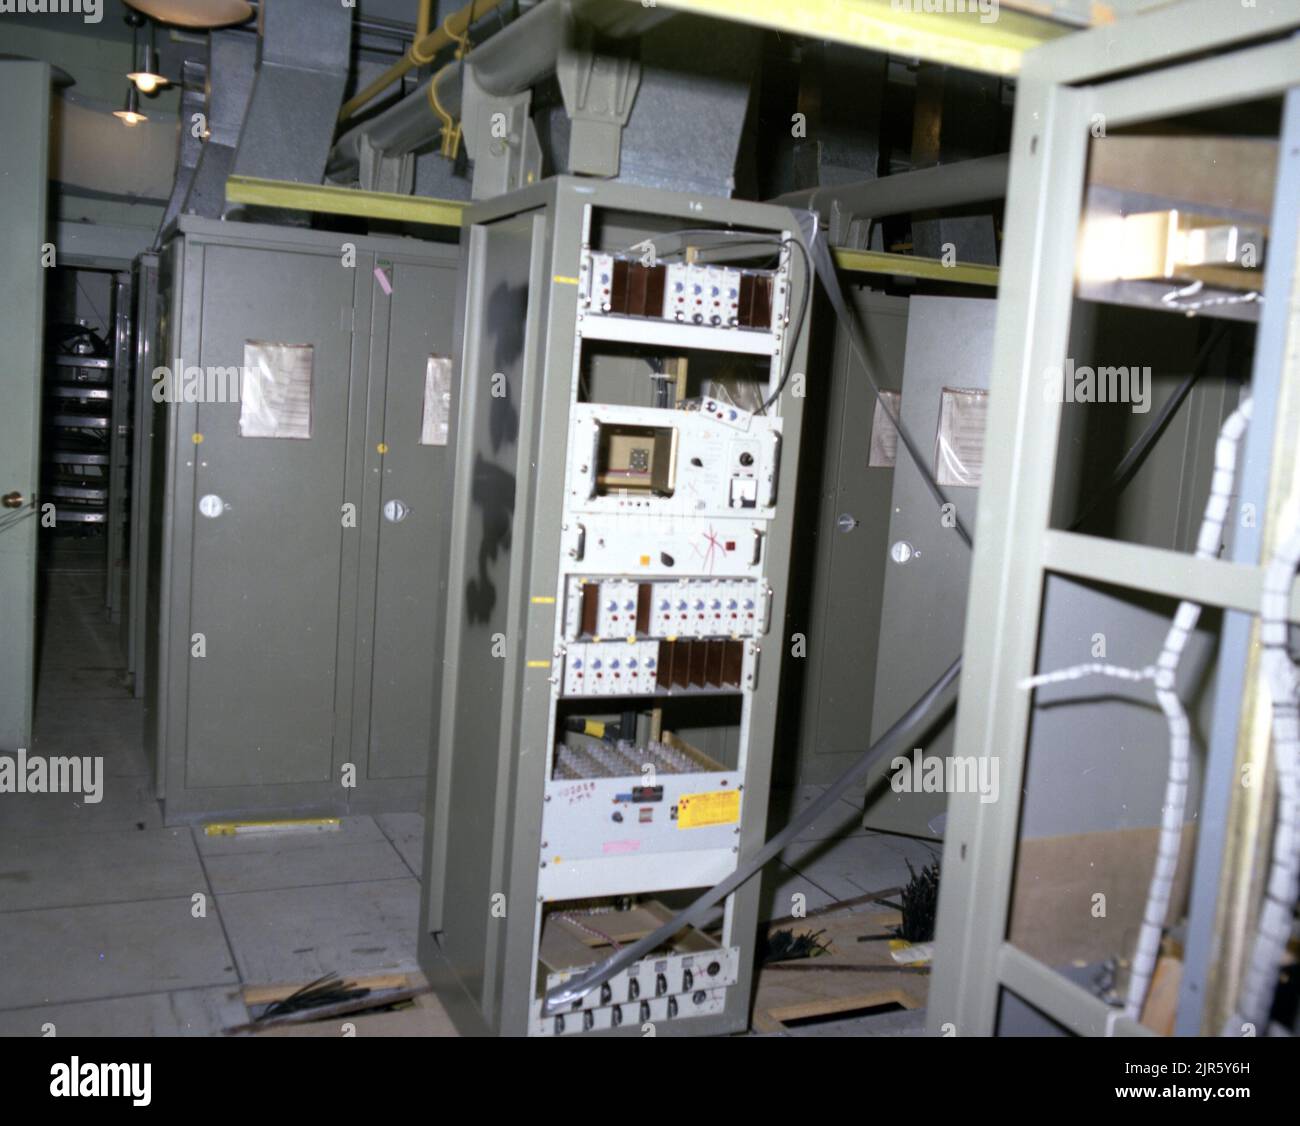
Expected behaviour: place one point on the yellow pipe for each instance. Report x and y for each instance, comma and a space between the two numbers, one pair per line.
421, 53
423, 18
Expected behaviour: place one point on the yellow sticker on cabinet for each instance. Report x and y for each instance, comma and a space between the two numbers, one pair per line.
718, 807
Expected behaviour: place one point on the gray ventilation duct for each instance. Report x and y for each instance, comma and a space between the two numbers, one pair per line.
194, 76
232, 64
302, 70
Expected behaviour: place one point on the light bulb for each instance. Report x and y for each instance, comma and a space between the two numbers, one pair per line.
147, 82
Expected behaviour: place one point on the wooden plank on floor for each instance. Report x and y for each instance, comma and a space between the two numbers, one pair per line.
852, 976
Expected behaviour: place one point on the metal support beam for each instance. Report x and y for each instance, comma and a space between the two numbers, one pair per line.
910, 266
1062, 87
334, 200
1050, 992
1222, 904
1175, 574
970, 40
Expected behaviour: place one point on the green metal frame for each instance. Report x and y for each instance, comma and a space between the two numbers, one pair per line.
331, 200
1062, 86
483, 745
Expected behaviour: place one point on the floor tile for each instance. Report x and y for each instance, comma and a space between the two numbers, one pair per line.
406, 831
73, 869
851, 866
110, 950
781, 884
356, 852
189, 1012
127, 803
299, 934
841, 819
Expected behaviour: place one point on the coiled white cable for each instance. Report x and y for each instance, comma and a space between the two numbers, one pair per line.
1164, 673
1283, 886
1180, 740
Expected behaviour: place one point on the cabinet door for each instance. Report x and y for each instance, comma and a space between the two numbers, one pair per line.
923, 616
398, 659
268, 520
24, 128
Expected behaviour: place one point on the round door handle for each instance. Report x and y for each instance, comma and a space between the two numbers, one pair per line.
211, 506
395, 511
846, 522
12, 500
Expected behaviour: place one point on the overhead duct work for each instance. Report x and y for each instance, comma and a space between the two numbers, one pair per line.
271, 104
193, 82
302, 71
232, 64
685, 129
621, 110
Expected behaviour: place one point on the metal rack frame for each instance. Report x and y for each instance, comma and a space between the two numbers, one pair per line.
1134, 71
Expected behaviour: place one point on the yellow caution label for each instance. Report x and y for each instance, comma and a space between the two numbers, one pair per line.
717, 807
563, 279
543, 599
594, 728
539, 664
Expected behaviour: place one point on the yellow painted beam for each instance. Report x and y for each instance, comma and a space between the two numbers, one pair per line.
447, 213
909, 266
991, 40
344, 201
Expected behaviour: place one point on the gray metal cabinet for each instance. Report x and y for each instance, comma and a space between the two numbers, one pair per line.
296, 624
842, 576
927, 567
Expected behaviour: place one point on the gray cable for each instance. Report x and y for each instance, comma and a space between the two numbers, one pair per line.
825, 266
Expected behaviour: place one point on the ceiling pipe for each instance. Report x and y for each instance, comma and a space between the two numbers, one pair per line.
513, 60
928, 189
425, 46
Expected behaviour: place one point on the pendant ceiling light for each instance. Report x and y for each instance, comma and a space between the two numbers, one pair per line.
144, 59
130, 113
195, 13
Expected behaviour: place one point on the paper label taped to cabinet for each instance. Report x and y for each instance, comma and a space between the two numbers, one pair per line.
717, 807
959, 457
435, 421
275, 391
884, 434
